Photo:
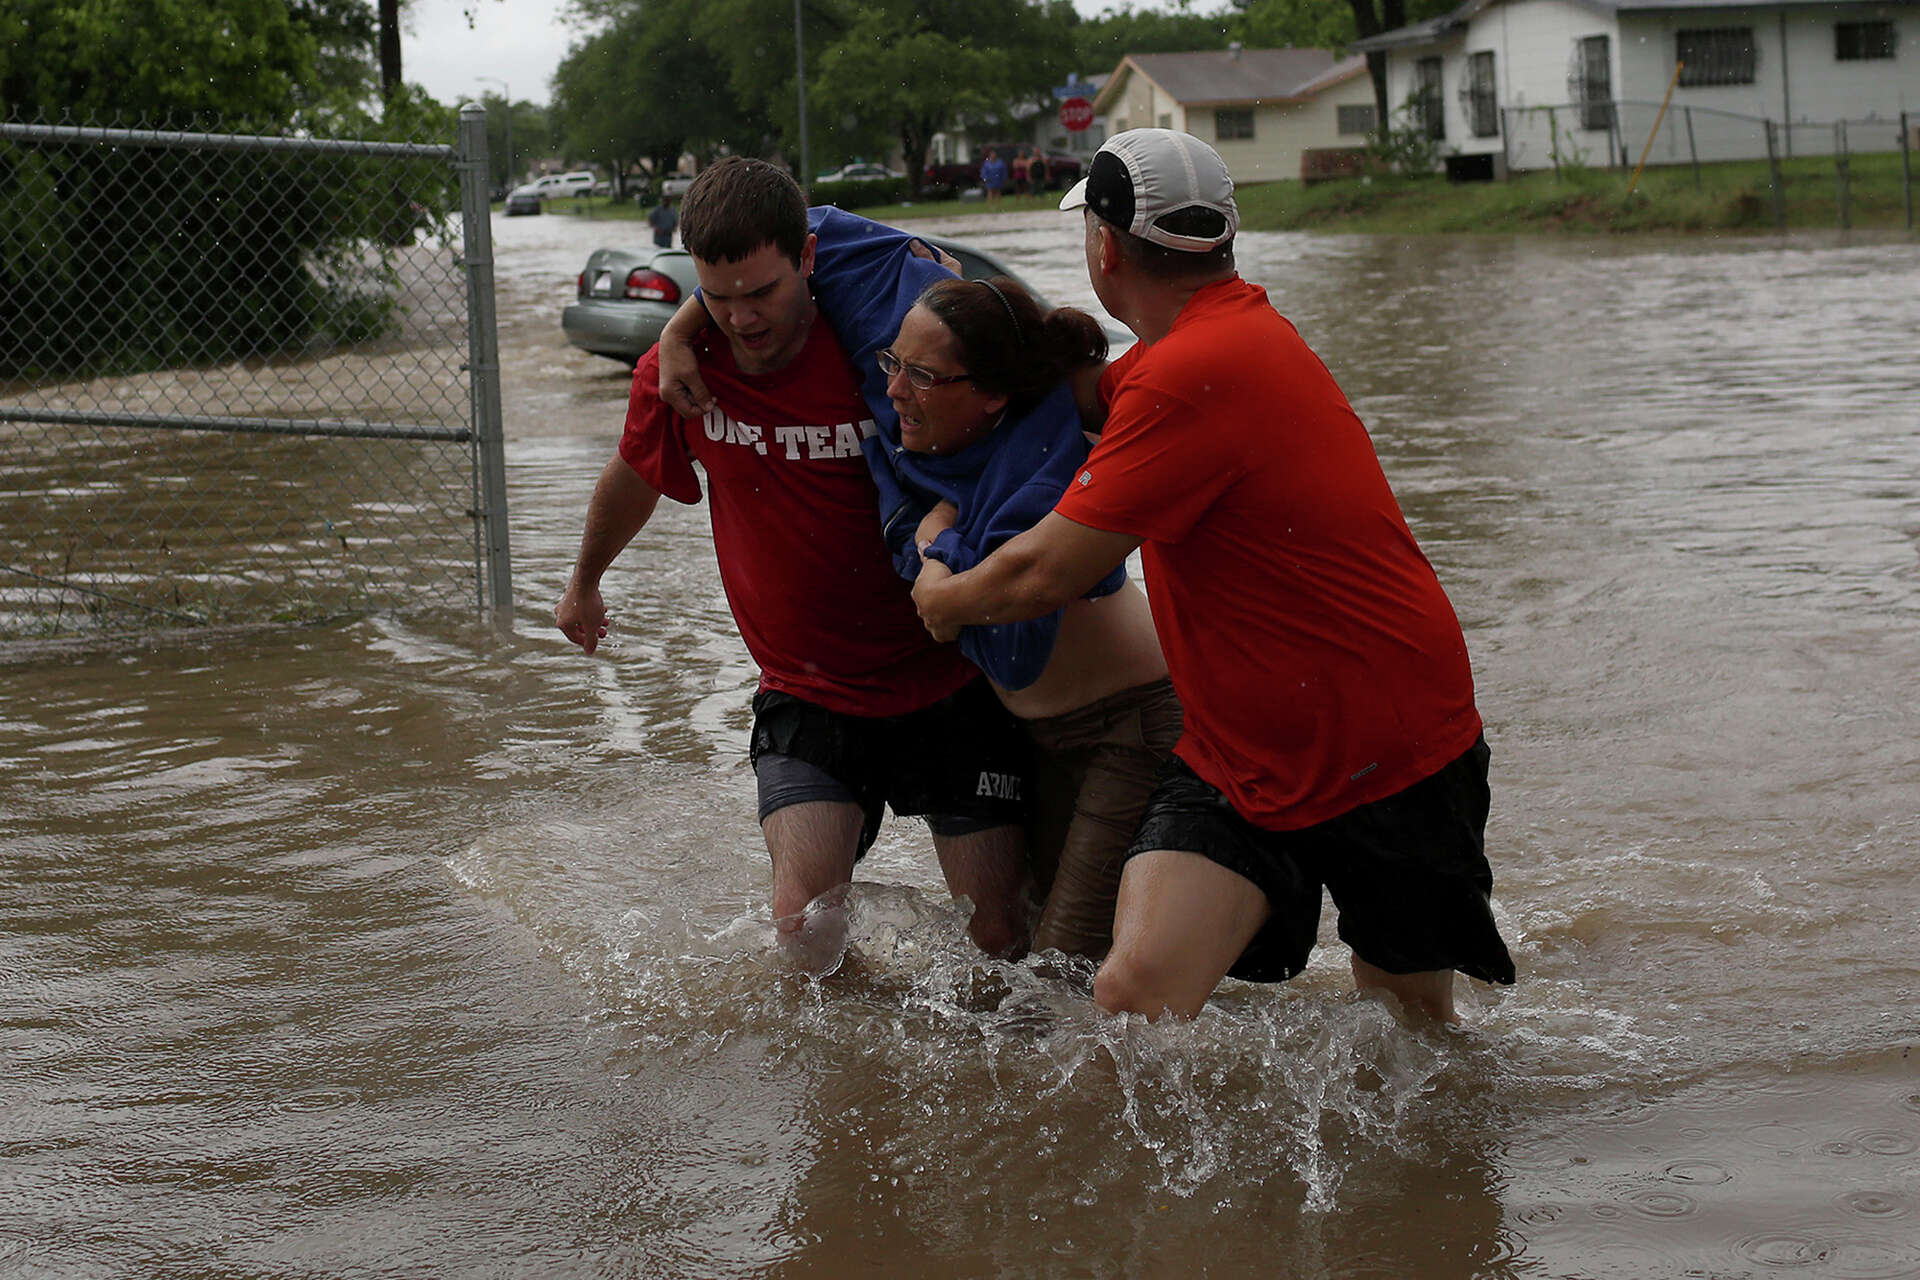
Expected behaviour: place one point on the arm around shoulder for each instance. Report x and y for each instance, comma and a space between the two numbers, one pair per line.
681, 386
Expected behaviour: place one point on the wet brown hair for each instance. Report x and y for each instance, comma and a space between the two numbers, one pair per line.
737, 205
1009, 345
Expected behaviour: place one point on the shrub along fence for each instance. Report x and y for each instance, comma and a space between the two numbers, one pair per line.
245, 378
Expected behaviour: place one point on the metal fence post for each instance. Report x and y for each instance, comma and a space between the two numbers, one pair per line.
1840, 173
1773, 173
1693, 148
1906, 166
483, 367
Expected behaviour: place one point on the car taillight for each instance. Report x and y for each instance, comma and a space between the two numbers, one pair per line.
580, 284
650, 285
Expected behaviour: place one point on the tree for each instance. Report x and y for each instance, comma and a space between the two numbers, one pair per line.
1333, 24
390, 80
1100, 43
522, 124
243, 60
644, 87
914, 66
1294, 24
346, 34
752, 43
240, 60
306, 223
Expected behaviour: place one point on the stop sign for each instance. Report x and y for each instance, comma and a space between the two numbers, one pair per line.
1076, 114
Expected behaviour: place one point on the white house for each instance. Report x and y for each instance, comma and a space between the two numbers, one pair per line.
1260, 108
1479, 80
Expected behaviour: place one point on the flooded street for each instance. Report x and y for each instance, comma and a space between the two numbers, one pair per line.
403, 948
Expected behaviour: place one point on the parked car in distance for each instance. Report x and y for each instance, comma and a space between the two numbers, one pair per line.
859, 172
624, 297
949, 180
551, 185
527, 198
675, 186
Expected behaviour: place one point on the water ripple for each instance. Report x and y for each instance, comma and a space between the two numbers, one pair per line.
1875, 1204
1700, 1172
1662, 1204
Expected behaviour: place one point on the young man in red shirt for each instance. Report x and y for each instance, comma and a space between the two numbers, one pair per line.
1331, 737
857, 707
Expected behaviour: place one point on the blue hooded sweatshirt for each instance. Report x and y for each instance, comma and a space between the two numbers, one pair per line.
865, 279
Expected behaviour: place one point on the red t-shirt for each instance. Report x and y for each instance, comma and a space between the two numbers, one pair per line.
796, 527
1319, 662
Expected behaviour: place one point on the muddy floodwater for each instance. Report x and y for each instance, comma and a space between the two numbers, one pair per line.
401, 948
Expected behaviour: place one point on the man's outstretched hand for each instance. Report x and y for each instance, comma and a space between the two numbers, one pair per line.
581, 616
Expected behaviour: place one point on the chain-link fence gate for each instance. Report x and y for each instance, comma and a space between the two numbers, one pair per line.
245, 378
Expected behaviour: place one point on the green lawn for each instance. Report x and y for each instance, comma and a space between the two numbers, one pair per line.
1728, 197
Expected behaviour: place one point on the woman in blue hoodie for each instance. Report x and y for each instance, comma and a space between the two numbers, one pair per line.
987, 437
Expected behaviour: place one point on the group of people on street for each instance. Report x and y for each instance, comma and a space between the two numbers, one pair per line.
928, 563
1027, 173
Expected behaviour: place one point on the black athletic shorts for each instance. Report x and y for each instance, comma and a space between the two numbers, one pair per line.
1407, 873
961, 763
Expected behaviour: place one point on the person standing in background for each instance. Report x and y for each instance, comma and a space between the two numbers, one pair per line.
663, 220
993, 174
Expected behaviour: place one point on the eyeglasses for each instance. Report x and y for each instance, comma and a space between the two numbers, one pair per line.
922, 379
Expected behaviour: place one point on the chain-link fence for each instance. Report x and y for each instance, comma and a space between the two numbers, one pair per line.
244, 378
1602, 134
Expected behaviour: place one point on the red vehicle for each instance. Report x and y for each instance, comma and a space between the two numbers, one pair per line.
944, 181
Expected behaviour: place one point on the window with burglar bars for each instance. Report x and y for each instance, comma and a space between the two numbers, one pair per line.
1428, 99
1863, 41
237, 378
1593, 82
1354, 119
1715, 55
1479, 98
1233, 123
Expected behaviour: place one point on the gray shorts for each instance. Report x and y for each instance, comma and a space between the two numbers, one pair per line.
961, 763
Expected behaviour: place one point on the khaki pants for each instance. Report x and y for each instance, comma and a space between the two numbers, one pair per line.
1093, 771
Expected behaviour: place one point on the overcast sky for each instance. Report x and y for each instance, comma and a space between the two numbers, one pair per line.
518, 41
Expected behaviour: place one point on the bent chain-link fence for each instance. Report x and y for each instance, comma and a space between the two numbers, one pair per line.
1608, 133
244, 378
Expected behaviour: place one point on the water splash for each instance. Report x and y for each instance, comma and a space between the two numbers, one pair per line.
990, 1055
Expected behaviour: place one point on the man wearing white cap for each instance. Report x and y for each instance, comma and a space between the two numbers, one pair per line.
1331, 738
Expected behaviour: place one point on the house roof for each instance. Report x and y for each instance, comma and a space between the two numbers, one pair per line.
1214, 77
1436, 29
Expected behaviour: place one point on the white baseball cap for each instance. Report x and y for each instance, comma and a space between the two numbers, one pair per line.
1137, 178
